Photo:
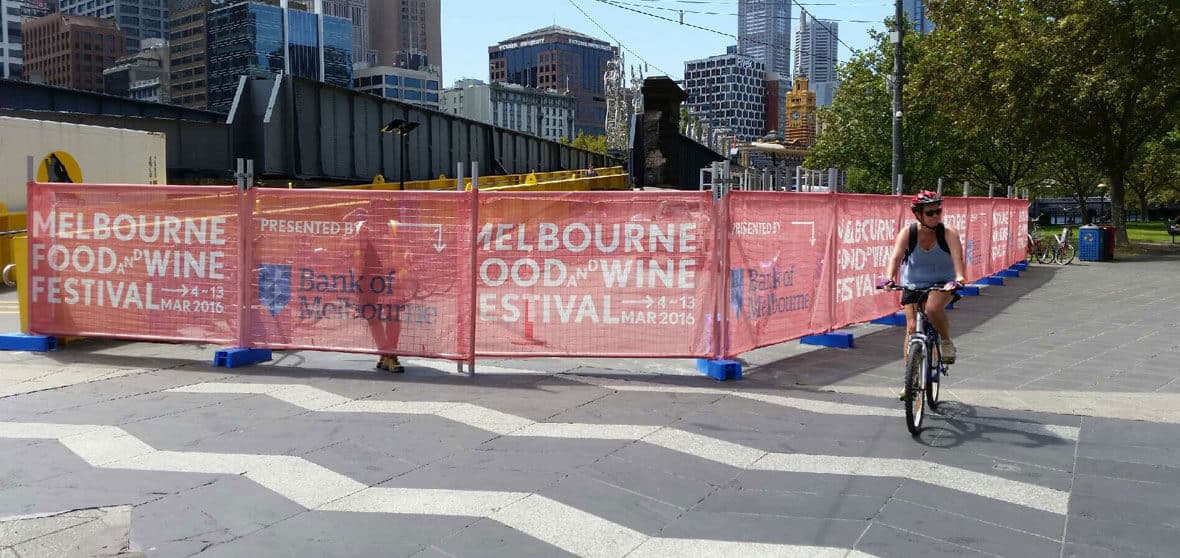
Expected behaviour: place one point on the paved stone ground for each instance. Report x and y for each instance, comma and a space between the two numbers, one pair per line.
1060, 439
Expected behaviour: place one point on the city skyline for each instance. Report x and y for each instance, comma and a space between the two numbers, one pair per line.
465, 28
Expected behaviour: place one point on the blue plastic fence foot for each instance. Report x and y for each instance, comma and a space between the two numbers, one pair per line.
837, 340
1009, 274
950, 306
26, 342
720, 370
969, 291
994, 281
1020, 266
233, 358
895, 319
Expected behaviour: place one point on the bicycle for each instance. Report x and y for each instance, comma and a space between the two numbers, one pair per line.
923, 369
1037, 246
1062, 250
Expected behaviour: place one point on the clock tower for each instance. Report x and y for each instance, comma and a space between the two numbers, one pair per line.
800, 126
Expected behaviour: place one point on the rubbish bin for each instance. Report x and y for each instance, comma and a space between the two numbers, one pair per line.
1090, 243
1108, 243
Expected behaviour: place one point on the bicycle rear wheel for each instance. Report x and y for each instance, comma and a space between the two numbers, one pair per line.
915, 387
1065, 254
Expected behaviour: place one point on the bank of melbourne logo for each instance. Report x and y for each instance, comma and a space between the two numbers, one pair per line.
274, 287
737, 290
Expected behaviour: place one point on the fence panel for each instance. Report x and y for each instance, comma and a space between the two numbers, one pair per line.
595, 274
866, 230
780, 267
134, 262
361, 271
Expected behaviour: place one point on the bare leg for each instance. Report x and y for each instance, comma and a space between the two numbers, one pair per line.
910, 327
936, 311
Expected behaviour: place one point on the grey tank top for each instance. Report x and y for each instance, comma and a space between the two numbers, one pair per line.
927, 268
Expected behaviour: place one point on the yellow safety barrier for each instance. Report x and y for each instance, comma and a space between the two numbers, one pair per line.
9, 222
582, 184
20, 249
485, 182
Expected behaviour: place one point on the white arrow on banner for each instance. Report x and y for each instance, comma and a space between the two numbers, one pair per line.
812, 223
439, 245
648, 300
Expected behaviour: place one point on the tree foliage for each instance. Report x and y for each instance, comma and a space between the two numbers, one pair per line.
1016, 92
858, 125
593, 143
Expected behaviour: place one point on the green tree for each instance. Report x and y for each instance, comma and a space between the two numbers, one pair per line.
1120, 60
1156, 171
990, 82
857, 127
593, 143
1074, 175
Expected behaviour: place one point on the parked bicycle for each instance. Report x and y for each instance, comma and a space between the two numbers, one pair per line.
1062, 248
923, 365
1038, 248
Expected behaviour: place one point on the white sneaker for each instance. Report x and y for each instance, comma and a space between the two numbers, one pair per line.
948, 351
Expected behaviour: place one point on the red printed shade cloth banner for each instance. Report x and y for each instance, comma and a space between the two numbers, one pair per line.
866, 230
589, 273
134, 262
780, 275
360, 271
595, 273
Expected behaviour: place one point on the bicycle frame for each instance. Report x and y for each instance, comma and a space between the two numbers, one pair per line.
924, 331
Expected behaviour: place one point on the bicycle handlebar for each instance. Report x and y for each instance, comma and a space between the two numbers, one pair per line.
896, 287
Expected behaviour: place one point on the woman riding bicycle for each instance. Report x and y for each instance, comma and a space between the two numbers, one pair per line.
932, 254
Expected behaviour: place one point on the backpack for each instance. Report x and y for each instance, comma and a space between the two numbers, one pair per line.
939, 233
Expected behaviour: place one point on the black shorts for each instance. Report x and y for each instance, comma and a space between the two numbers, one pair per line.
913, 297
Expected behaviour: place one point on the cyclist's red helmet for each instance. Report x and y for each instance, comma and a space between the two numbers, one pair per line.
925, 197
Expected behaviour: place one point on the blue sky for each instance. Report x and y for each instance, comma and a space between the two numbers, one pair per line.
470, 26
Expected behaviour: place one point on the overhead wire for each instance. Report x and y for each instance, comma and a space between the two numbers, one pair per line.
616, 39
723, 33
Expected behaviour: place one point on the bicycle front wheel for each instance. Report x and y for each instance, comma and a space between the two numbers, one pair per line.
915, 387
1065, 254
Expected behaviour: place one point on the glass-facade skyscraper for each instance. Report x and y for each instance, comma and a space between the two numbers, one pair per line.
915, 11
138, 19
764, 33
561, 59
250, 39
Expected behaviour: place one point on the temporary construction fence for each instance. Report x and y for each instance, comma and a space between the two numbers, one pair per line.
462, 274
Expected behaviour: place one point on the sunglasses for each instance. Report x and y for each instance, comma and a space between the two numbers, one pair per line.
932, 212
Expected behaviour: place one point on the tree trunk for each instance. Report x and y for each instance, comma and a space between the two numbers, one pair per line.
1117, 215
1083, 210
1146, 214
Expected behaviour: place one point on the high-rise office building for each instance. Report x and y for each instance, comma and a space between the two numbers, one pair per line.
252, 39
188, 47
562, 59
406, 34
728, 90
12, 13
764, 33
816, 42
357, 12
139, 19
816, 47
915, 11
70, 50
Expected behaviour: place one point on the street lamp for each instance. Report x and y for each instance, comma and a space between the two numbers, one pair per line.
402, 128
